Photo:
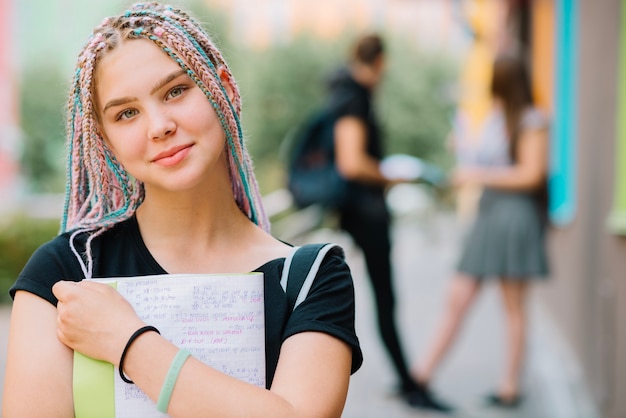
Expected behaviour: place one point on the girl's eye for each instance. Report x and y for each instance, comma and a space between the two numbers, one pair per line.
126, 114
176, 91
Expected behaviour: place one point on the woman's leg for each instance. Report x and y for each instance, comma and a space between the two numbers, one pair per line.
461, 294
514, 297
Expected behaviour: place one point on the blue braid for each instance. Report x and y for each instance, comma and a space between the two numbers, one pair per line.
175, 24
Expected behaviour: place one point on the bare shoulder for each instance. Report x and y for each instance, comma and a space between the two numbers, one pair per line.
273, 247
261, 247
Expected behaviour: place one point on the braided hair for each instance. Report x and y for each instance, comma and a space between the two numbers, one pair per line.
100, 192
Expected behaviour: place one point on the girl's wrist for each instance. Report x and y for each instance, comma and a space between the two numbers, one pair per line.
122, 340
135, 336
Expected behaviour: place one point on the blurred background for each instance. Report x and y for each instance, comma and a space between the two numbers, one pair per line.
440, 52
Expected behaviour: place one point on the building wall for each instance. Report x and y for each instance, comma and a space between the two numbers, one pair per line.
588, 286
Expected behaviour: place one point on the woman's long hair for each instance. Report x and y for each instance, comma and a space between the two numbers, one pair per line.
511, 84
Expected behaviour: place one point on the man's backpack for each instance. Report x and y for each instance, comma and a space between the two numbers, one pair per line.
312, 175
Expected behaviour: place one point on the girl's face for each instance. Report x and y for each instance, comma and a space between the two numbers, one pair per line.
156, 120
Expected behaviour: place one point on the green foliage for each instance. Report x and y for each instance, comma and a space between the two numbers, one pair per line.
213, 21
19, 238
42, 107
415, 102
280, 86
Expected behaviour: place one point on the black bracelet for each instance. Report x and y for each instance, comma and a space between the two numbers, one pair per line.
130, 341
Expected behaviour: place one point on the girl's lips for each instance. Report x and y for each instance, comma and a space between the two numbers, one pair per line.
172, 157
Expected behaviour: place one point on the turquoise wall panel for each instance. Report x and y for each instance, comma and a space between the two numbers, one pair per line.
563, 152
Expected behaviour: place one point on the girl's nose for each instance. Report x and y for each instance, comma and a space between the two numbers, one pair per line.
161, 126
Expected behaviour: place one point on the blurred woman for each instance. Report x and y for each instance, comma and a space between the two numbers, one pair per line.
506, 242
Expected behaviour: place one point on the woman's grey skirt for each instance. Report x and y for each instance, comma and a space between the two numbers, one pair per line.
507, 239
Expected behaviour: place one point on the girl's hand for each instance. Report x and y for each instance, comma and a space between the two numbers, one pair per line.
94, 319
467, 176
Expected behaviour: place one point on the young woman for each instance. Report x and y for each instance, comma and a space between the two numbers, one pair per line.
159, 182
506, 242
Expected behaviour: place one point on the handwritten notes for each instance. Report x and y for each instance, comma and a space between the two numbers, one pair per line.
218, 318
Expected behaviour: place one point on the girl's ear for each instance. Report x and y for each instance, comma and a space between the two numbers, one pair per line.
226, 82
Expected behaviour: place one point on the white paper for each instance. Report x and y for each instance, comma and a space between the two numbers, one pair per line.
402, 167
219, 318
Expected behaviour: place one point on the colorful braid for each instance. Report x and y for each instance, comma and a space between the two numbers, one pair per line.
99, 192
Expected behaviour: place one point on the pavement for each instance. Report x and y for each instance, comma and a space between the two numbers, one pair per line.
425, 248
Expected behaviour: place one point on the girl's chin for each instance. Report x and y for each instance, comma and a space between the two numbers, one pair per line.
178, 186
187, 179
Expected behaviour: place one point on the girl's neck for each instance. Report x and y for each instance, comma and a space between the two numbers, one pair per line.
220, 241
184, 215
201, 238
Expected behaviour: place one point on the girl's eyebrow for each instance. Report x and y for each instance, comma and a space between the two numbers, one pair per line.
167, 79
157, 86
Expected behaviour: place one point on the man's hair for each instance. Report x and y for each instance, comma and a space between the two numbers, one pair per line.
368, 48
99, 191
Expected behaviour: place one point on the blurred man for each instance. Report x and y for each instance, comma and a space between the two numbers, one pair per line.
358, 154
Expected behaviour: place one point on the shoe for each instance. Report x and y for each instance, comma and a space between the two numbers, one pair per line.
495, 399
422, 398
407, 387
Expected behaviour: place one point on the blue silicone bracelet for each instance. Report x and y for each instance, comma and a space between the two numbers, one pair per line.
170, 380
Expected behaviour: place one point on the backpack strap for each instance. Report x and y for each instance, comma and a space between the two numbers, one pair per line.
300, 269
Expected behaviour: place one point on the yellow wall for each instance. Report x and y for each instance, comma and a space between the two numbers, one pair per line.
543, 53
